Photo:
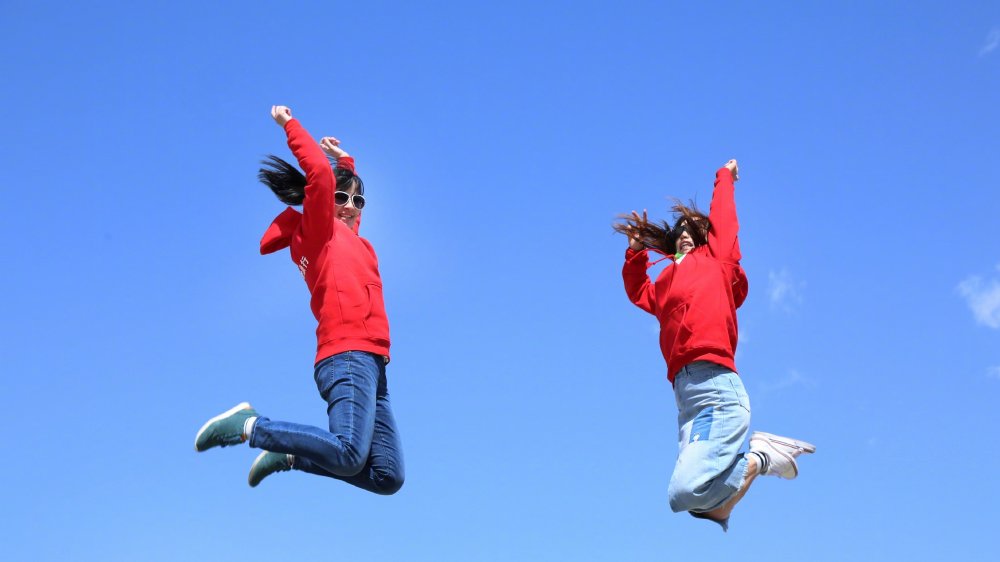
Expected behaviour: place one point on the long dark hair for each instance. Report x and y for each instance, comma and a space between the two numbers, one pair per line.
661, 236
289, 184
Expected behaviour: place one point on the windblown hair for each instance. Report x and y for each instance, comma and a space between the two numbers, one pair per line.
289, 184
664, 238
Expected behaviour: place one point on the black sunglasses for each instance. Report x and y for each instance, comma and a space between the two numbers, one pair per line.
341, 198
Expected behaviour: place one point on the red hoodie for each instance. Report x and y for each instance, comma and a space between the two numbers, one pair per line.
696, 300
340, 267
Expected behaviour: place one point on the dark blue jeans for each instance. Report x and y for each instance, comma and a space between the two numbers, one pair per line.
362, 446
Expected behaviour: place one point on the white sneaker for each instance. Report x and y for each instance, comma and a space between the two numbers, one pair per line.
781, 453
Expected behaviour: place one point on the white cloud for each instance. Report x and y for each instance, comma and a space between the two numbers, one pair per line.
992, 41
993, 372
795, 378
983, 297
784, 291
792, 378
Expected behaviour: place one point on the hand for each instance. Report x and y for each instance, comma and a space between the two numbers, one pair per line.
634, 238
733, 167
331, 146
281, 114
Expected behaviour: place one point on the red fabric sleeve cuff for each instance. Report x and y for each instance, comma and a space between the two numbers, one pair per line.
630, 253
346, 163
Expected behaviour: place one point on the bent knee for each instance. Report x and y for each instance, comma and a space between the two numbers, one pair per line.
688, 494
354, 459
390, 483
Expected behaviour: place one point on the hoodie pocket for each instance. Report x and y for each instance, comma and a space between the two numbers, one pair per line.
352, 298
375, 314
674, 332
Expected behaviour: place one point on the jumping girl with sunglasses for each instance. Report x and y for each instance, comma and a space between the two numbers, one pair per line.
362, 446
695, 300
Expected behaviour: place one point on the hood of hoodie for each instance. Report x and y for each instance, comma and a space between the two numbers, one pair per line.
278, 235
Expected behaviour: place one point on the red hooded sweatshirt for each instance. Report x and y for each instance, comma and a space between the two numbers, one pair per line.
696, 300
340, 267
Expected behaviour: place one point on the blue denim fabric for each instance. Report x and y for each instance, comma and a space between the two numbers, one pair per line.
362, 446
713, 420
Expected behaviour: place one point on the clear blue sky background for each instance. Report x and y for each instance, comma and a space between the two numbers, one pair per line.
498, 142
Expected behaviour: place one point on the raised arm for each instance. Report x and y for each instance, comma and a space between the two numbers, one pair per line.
317, 208
638, 287
331, 146
722, 237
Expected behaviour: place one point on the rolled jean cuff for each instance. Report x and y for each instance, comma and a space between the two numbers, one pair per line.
251, 439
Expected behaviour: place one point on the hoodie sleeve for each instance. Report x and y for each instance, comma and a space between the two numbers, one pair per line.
638, 287
317, 208
722, 240
347, 163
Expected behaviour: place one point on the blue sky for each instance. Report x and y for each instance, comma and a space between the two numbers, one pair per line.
497, 143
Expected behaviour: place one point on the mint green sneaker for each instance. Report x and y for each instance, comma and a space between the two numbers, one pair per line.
266, 464
225, 429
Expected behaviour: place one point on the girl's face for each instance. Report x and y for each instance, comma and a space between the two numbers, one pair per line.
348, 213
684, 242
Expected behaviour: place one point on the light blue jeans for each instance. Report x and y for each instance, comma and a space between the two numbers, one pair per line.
713, 420
362, 446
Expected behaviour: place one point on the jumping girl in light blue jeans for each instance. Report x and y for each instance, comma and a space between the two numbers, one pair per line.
695, 301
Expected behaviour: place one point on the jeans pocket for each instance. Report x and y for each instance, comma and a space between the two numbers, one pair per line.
330, 371
739, 391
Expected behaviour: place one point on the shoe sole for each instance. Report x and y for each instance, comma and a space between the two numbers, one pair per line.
226, 414
787, 441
